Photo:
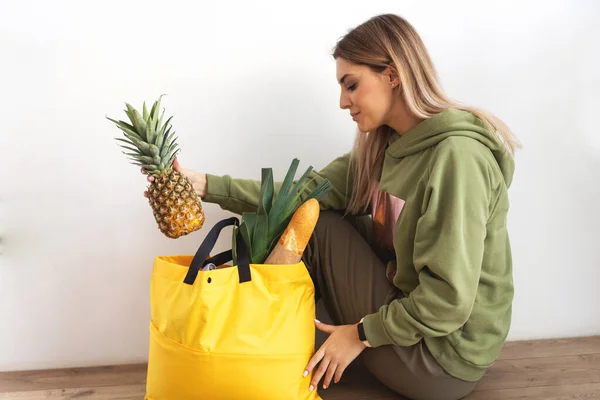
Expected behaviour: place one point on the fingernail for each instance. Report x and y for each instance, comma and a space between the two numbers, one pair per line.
324, 386
317, 321
305, 373
311, 388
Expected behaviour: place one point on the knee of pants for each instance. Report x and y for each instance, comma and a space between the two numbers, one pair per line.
328, 219
327, 224
329, 216
331, 222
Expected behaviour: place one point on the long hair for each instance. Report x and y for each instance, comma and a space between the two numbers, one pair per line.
389, 40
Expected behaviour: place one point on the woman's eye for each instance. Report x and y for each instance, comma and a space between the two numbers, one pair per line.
352, 87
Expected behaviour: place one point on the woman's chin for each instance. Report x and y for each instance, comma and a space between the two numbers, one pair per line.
363, 128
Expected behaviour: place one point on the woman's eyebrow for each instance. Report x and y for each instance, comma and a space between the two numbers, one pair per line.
343, 78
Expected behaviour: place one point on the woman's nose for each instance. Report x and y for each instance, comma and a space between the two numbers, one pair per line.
344, 102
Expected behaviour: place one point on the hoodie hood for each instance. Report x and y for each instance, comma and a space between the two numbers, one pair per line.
451, 122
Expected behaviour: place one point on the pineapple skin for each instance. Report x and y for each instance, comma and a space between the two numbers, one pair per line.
176, 207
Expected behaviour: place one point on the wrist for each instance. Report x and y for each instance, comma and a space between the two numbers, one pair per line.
200, 184
203, 186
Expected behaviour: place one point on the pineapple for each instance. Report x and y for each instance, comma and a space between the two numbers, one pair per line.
152, 145
261, 230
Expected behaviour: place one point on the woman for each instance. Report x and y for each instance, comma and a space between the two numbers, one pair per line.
423, 291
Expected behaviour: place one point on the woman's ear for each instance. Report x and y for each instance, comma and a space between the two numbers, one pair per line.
392, 76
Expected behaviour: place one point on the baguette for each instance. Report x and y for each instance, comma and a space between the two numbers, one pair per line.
293, 241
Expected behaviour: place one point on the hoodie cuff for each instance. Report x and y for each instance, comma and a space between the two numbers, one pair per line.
375, 331
217, 190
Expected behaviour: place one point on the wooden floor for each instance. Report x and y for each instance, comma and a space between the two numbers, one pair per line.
547, 369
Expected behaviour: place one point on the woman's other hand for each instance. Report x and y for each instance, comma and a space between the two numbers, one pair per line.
339, 350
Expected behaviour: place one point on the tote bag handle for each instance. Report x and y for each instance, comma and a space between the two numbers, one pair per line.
207, 246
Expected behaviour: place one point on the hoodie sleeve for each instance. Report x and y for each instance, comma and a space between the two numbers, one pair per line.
448, 250
242, 195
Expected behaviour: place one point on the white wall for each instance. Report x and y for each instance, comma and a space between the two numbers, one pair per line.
253, 85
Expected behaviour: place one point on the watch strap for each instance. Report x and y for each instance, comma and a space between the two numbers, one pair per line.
361, 332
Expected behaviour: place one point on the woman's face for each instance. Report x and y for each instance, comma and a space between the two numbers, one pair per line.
368, 95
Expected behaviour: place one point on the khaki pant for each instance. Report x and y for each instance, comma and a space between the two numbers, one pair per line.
350, 279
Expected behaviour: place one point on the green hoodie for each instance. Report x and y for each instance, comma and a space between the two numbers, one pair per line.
453, 259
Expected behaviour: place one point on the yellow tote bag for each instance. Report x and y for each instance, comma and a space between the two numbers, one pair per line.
237, 332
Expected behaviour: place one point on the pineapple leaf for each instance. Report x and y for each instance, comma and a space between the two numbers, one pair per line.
161, 117
172, 139
125, 127
160, 138
156, 119
138, 122
167, 143
145, 112
171, 155
150, 132
172, 146
122, 124
129, 115
145, 159
130, 149
156, 107
154, 151
171, 158
161, 129
128, 142
169, 151
143, 146
166, 127
131, 133
153, 109
155, 124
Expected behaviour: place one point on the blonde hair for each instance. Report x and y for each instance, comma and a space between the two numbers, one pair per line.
389, 40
